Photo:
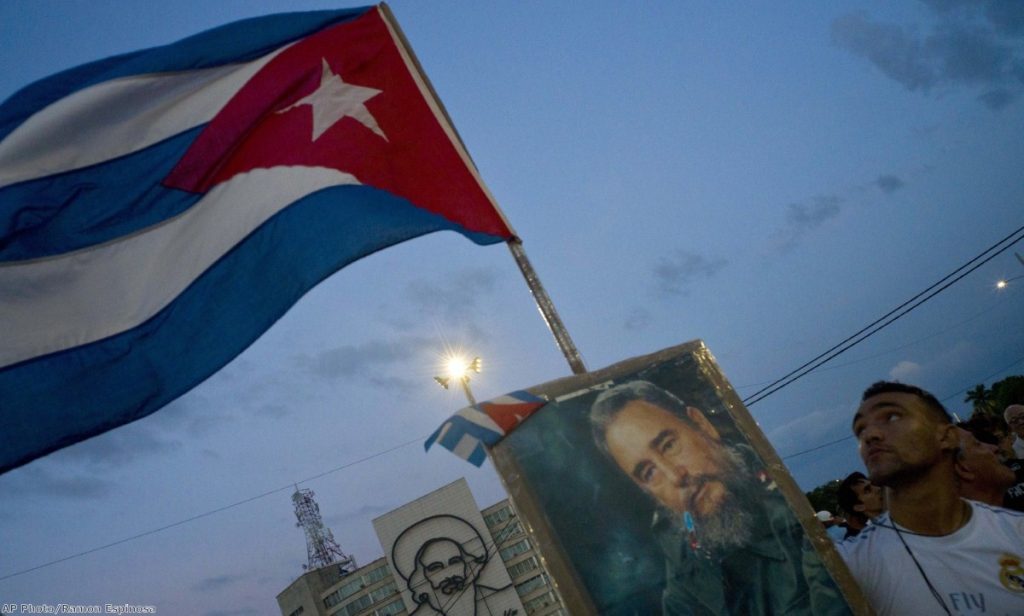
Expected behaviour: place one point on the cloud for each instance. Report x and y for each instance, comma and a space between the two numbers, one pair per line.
810, 429
273, 411
905, 371
456, 297
35, 480
673, 275
801, 218
889, 183
637, 319
997, 99
347, 517
117, 448
971, 44
892, 49
373, 363
244, 611
216, 582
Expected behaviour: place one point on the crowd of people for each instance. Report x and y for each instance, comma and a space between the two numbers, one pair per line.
936, 526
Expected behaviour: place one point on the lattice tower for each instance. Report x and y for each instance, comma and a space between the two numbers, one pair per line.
321, 548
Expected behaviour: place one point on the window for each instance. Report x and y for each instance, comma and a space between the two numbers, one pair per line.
356, 606
522, 567
514, 528
356, 584
384, 591
531, 584
540, 602
376, 575
515, 549
497, 517
298, 611
395, 607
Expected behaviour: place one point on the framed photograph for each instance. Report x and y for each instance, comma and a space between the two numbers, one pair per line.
650, 490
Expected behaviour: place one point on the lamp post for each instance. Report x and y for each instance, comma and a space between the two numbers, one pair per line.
458, 369
1002, 284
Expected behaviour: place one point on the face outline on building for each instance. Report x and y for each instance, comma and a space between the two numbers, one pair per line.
445, 565
441, 559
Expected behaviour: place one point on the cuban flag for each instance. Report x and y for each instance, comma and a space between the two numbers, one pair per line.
161, 209
469, 431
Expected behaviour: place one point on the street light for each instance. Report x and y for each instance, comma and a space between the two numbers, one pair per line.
1006, 281
458, 369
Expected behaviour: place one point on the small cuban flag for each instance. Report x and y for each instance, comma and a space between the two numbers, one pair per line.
467, 432
161, 209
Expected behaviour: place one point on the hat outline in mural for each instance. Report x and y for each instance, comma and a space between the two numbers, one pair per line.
456, 555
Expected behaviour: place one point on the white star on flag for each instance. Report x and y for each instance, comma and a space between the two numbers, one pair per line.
334, 99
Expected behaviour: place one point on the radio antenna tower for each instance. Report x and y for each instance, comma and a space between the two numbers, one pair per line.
321, 547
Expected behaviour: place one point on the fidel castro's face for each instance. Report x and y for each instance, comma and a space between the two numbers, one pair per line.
680, 465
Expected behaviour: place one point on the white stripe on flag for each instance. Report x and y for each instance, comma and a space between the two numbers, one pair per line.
117, 117
52, 304
481, 419
467, 444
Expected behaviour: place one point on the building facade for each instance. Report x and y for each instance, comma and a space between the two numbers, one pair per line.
443, 555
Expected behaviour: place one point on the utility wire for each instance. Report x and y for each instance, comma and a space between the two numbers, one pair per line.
848, 437
889, 351
889, 318
209, 513
752, 399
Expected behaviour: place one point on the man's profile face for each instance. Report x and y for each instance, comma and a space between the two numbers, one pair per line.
444, 566
871, 498
898, 436
679, 465
983, 460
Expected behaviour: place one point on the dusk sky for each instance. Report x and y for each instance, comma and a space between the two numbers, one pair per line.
767, 178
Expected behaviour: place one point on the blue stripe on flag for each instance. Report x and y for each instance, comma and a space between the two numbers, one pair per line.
62, 398
459, 431
94, 205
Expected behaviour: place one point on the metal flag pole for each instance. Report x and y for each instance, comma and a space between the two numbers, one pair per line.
540, 296
547, 308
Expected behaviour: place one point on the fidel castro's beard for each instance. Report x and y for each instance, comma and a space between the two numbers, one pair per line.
732, 524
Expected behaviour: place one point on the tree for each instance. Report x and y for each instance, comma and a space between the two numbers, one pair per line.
981, 398
994, 400
1006, 392
824, 497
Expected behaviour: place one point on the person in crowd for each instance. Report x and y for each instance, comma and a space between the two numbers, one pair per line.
1014, 417
992, 429
860, 501
933, 552
981, 474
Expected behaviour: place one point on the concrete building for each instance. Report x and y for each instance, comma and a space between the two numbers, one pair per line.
443, 555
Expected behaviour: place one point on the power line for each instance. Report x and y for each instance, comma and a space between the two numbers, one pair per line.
858, 360
154, 531
887, 319
848, 437
752, 399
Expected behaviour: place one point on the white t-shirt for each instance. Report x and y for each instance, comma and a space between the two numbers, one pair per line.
979, 569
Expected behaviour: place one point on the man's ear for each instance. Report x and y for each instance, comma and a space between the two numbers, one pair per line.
963, 471
949, 437
702, 423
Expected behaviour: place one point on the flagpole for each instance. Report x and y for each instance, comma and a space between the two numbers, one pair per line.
547, 308
540, 296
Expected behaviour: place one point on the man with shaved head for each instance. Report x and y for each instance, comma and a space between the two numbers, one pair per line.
933, 552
